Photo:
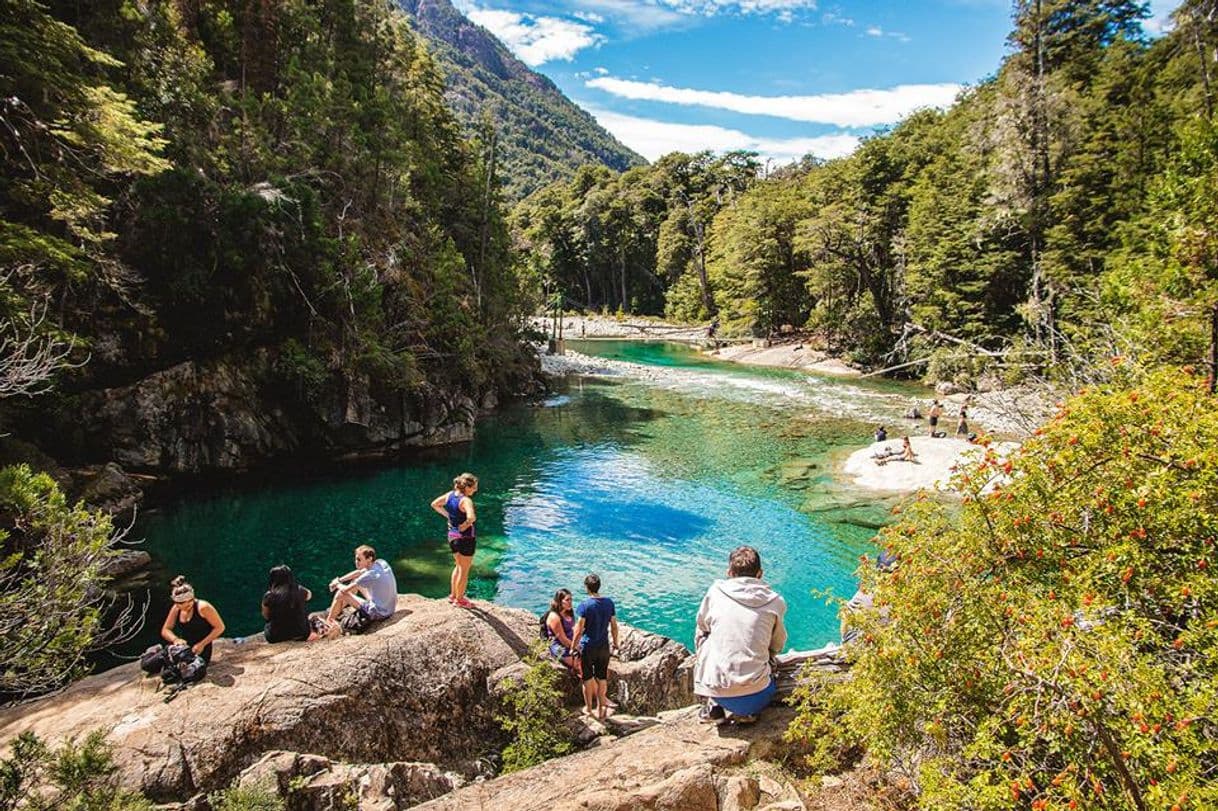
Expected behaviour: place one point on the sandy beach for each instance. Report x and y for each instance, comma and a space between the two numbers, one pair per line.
931, 470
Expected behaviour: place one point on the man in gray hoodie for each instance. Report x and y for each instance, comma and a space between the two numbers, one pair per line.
739, 629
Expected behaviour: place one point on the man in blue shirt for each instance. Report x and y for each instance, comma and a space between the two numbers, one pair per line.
371, 588
596, 622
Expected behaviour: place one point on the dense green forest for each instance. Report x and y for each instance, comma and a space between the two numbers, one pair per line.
229, 231
231, 181
540, 134
1062, 208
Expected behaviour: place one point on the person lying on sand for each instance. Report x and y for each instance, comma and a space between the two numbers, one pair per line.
907, 454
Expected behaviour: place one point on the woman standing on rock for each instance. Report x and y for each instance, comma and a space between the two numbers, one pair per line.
458, 507
191, 622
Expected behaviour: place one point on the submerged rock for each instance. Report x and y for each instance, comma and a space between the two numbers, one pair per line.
418, 689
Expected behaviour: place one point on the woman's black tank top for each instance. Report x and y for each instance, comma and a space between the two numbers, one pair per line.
195, 630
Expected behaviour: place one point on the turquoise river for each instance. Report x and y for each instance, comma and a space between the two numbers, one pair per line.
649, 476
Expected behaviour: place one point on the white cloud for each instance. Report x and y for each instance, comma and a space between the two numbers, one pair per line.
651, 139
536, 40
876, 31
638, 14
601, 71
711, 8
858, 108
649, 15
1160, 21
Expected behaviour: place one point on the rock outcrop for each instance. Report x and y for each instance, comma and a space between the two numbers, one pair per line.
309, 782
419, 689
650, 673
223, 415
677, 764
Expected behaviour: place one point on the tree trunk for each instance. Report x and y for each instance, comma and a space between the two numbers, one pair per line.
622, 263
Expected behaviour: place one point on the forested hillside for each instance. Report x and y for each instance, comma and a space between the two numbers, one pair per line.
541, 136
1062, 208
274, 194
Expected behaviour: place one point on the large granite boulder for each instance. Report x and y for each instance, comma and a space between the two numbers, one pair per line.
679, 764
649, 673
309, 782
416, 690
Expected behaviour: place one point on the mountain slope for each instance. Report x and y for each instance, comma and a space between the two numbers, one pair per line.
543, 135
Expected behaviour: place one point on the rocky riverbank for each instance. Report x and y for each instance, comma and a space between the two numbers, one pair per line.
420, 690
1012, 412
406, 715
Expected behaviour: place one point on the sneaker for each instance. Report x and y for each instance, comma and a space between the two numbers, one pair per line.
742, 720
711, 714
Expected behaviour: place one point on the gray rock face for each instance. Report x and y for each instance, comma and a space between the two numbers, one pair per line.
188, 418
127, 562
418, 689
107, 487
222, 415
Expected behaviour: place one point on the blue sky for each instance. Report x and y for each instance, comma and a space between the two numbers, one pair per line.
779, 77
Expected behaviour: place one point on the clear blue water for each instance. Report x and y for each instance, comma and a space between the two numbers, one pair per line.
649, 478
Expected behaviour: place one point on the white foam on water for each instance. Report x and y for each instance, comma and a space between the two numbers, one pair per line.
828, 396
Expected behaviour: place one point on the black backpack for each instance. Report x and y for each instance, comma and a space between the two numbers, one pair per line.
153, 660
543, 630
354, 621
183, 666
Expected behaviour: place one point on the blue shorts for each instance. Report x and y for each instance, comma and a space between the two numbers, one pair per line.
750, 704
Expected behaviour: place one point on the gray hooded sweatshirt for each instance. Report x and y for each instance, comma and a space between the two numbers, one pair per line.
739, 629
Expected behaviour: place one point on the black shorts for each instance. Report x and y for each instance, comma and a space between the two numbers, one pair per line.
934, 421
596, 662
463, 546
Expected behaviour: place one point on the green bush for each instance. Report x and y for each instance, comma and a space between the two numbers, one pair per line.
1051, 642
247, 798
534, 716
75, 777
54, 608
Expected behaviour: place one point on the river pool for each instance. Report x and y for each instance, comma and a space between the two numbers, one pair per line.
649, 477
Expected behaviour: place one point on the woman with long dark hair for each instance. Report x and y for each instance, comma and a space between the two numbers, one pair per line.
560, 622
285, 607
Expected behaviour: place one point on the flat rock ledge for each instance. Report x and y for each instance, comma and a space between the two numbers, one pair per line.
421, 689
679, 764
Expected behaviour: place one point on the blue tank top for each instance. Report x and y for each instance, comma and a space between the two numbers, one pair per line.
456, 517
